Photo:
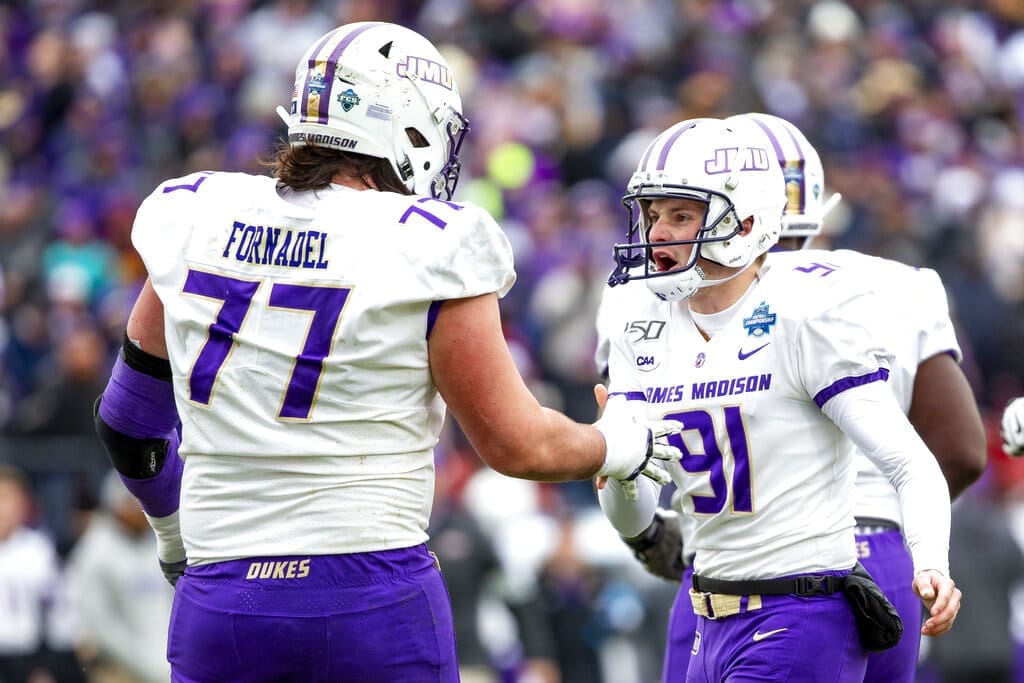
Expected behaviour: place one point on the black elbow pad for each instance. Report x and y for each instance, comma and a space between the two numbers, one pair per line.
132, 457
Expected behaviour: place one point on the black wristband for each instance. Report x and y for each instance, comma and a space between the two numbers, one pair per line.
146, 363
649, 536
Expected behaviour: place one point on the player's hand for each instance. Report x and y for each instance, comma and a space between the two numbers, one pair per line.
941, 598
172, 570
1012, 427
660, 547
629, 487
633, 445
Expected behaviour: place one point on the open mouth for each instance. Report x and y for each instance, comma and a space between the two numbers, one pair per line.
663, 261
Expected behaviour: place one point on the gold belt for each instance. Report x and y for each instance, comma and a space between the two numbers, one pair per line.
720, 605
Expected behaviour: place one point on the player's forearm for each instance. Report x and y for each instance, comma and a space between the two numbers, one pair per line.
135, 420
870, 416
629, 517
544, 446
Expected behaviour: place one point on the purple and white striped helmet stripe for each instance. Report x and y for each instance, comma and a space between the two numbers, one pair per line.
326, 68
785, 162
663, 157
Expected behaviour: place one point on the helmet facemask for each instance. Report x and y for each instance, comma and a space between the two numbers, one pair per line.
682, 280
706, 161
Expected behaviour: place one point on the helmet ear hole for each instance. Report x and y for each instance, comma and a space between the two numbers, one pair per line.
417, 138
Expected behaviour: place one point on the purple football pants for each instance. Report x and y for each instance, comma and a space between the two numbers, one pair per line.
682, 623
361, 618
798, 639
886, 557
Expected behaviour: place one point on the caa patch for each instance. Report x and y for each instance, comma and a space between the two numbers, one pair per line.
760, 322
647, 362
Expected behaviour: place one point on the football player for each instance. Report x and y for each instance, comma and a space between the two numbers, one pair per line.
773, 369
926, 381
309, 329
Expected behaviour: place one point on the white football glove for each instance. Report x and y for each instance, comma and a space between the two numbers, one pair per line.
1012, 427
631, 447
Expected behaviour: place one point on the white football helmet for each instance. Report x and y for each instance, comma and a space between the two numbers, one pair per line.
385, 91
733, 173
804, 175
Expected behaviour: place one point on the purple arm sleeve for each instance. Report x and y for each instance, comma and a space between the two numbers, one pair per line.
142, 407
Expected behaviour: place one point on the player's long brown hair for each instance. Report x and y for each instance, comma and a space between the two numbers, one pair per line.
313, 168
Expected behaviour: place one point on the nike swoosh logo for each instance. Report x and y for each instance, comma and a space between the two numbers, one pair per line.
744, 356
758, 636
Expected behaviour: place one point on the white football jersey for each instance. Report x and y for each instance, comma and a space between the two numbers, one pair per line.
29, 579
766, 475
297, 330
919, 328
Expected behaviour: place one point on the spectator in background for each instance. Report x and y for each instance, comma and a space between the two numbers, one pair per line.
123, 602
908, 99
60, 409
989, 565
29, 576
476, 580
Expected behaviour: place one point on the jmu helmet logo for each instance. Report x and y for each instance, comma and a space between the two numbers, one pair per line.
421, 68
348, 99
726, 159
760, 322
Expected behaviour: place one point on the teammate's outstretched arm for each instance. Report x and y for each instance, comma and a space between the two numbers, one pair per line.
474, 371
945, 414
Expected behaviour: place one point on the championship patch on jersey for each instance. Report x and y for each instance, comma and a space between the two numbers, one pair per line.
760, 322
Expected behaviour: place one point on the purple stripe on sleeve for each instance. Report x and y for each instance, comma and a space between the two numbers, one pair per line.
630, 395
839, 386
435, 308
194, 187
663, 157
332, 65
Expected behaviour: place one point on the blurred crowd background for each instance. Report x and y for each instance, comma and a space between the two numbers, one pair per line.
916, 107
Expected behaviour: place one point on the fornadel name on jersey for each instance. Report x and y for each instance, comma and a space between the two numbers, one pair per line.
276, 246
710, 389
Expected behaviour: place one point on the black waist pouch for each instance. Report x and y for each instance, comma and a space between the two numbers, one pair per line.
878, 623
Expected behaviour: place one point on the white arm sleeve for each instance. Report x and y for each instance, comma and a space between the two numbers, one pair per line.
629, 517
870, 416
